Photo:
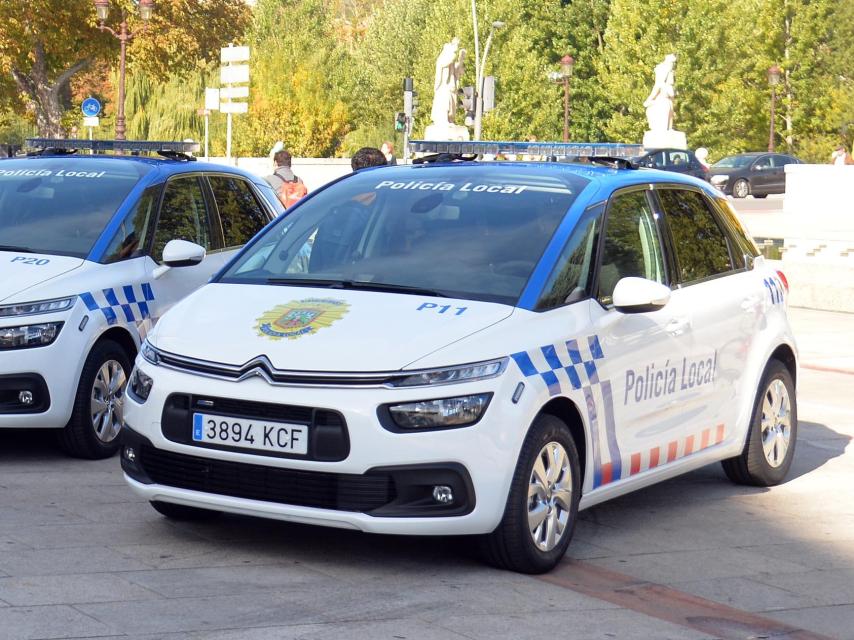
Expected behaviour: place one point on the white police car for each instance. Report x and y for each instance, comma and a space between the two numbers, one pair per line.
469, 348
80, 285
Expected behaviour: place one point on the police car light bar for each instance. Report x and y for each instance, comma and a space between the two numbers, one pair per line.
155, 146
545, 149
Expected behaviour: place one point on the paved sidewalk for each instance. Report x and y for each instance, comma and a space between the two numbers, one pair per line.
825, 339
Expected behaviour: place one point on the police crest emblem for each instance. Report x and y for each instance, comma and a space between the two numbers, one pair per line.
300, 317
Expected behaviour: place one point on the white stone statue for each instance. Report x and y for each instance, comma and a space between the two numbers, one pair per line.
450, 66
659, 104
659, 109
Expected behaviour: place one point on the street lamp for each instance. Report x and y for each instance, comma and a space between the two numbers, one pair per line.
102, 10
563, 76
479, 66
774, 73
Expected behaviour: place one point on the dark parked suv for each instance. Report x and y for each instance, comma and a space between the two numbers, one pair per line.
757, 173
678, 160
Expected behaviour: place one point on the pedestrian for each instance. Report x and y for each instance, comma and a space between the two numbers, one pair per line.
289, 188
702, 155
841, 157
388, 151
368, 157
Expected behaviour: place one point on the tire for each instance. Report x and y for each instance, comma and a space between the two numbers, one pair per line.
758, 466
512, 545
103, 379
741, 188
182, 512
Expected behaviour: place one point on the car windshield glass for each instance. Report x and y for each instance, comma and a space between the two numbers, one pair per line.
733, 161
464, 231
60, 205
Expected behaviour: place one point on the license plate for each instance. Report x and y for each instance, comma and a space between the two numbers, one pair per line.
249, 433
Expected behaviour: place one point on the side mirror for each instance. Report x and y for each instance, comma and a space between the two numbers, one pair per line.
639, 295
179, 253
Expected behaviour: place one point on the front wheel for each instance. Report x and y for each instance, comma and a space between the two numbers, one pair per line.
770, 446
741, 188
542, 507
96, 418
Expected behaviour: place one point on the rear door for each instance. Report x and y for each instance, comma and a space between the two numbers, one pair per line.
719, 301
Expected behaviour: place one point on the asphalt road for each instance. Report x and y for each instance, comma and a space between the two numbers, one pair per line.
693, 558
771, 204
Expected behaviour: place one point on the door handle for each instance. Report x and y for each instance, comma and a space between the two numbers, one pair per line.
678, 326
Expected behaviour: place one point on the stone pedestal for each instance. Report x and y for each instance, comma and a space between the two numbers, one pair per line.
450, 132
669, 139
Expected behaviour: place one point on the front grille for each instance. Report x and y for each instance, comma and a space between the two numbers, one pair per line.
251, 409
344, 492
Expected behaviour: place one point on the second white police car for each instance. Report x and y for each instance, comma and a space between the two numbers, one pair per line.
469, 348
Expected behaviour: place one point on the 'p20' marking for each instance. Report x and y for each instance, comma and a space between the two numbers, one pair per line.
441, 309
36, 261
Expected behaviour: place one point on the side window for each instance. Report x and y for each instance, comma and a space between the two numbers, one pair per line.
657, 159
132, 236
678, 157
240, 213
183, 215
763, 163
631, 246
742, 243
571, 278
701, 246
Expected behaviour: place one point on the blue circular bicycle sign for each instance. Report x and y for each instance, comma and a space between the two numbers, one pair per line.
90, 107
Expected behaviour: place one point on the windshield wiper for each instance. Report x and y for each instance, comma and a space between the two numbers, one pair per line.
10, 247
357, 284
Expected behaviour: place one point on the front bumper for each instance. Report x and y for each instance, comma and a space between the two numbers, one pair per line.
384, 483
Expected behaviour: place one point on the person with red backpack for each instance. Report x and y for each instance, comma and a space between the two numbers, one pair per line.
288, 187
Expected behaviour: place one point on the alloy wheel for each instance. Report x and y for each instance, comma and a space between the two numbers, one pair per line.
106, 400
549, 496
776, 422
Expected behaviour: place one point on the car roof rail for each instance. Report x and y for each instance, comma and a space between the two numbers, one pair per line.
174, 150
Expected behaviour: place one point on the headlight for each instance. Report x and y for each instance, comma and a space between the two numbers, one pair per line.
719, 179
446, 412
34, 308
139, 385
150, 353
31, 335
448, 375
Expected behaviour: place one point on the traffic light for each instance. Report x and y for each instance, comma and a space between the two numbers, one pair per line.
399, 121
467, 103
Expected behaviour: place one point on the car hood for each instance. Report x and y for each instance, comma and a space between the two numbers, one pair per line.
318, 329
22, 271
725, 171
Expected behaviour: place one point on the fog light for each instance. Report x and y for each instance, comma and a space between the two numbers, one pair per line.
25, 397
129, 454
443, 494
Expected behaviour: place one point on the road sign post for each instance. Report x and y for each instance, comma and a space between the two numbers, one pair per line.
234, 77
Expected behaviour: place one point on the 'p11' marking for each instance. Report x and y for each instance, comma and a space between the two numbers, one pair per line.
429, 306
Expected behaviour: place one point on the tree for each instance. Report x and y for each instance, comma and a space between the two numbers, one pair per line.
45, 43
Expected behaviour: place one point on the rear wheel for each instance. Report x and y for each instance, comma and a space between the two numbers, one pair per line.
770, 446
741, 188
182, 512
542, 508
97, 416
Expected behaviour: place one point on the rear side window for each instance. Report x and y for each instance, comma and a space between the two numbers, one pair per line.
700, 244
742, 244
132, 237
240, 213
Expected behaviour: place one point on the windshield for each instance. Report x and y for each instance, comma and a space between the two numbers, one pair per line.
60, 205
731, 162
472, 232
